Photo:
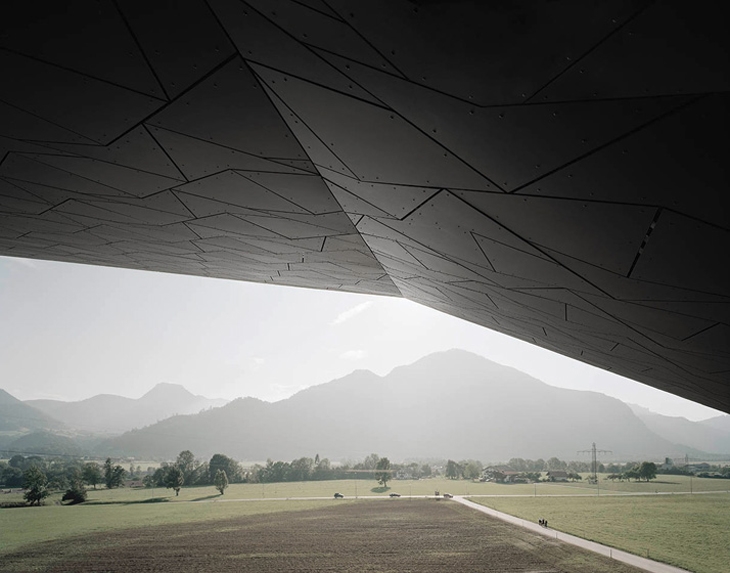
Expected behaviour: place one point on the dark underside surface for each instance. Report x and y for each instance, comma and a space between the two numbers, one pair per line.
393, 535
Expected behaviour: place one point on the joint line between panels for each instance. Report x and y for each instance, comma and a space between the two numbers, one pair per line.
571, 271
641, 334
314, 133
52, 208
486, 257
352, 194
186, 223
180, 95
309, 49
364, 39
58, 125
647, 235
79, 155
421, 204
36, 160
268, 96
141, 50
692, 217
276, 160
241, 173
609, 143
223, 28
162, 147
700, 331
85, 75
330, 16
381, 105
590, 50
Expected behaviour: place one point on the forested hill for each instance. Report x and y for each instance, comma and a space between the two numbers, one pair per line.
18, 417
449, 404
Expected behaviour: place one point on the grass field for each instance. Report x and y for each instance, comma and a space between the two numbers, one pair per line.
662, 483
389, 535
691, 532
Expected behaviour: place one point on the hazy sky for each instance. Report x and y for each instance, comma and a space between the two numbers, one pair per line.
72, 331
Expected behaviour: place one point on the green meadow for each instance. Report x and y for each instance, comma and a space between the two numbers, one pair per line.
688, 531
662, 484
669, 525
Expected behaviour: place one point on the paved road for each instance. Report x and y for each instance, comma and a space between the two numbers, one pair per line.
628, 558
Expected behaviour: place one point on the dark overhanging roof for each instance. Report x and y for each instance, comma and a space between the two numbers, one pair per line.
556, 171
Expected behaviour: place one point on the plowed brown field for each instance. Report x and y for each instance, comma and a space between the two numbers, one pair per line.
421, 536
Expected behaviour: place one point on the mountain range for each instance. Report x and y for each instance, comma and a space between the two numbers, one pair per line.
19, 417
449, 404
711, 435
110, 414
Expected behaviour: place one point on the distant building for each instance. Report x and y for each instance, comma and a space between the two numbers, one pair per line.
501, 474
698, 467
557, 475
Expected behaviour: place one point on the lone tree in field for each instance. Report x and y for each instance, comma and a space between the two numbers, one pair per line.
174, 478
35, 484
647, 470
91, 474
220, 481
382, 471
113, 475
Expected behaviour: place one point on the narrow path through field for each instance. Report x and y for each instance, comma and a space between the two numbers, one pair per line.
617, 554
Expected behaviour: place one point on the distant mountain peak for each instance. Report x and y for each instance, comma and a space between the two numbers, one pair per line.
115, 414
166, 389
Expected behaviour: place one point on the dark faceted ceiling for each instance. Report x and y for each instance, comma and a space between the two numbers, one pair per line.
556, 171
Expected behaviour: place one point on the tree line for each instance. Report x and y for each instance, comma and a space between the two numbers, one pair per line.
40, 476
189, 471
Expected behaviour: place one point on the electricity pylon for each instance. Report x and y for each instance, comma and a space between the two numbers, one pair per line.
594, 464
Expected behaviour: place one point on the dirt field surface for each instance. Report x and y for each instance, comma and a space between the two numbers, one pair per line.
386, 536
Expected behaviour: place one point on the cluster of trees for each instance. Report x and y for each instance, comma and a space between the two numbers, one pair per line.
61, 473
722, 472
188, 471
315, 469
466, 469
531, 470
637, 471
552, 464
40, 476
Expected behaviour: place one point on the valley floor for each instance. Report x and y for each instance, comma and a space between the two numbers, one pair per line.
393, 535
674, 521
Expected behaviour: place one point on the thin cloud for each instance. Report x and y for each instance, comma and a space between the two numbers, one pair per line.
354, 311
353, 355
